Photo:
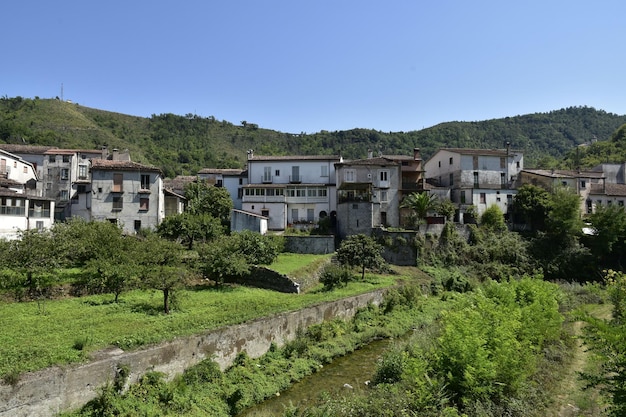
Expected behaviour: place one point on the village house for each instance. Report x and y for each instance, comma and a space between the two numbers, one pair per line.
126, 193
22, 207
232, 180
476, 177
368, 194
290, 191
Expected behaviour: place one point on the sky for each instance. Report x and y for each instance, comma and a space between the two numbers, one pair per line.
305, 66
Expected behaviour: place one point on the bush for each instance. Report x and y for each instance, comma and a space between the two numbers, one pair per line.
335, 276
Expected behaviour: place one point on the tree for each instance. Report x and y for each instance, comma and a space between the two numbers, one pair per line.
608, 242
532, 203
420, 204
446, 208
187, 228
34, 261
161, 267
564, 221
493, 219
204, 198
256, 248
360, 251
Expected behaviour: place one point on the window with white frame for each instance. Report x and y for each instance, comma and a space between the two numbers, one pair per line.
82, 172
349, 175
383, 196
65, 173
324, 170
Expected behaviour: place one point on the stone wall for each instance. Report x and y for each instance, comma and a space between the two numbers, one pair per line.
57, 389
261, 277
319, 245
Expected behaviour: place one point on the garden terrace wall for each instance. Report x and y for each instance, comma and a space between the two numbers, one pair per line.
54, 390
318, 245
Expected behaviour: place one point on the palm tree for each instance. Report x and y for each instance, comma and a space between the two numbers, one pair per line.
420, 204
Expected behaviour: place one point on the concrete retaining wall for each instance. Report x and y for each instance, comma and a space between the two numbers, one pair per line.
319, 245
53, 390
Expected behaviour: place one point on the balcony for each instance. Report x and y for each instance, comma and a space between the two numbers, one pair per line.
295, 179
267, 179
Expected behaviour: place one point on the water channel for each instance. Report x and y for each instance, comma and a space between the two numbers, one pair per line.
353, 369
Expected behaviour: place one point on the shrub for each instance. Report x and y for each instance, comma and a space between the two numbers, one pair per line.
334, 276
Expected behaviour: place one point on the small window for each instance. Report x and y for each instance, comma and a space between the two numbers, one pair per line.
384, 176
64, 195
451, 160
82, 172
137, 225
583, 184
277, 173
324, 170
39, 225
462, 197
118, 180
25, 169
502, 163
483, 198
66, 158
144, 204
476, 183
383, 196
145, 181
451, 179
439, 163
52, 158
349, 175
82, 188
265, 213
65, 173
240, 181
118, 204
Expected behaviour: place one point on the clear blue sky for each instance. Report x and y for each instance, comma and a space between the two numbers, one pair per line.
305, 66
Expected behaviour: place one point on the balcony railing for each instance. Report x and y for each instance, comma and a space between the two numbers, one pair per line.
267, 179
295, 179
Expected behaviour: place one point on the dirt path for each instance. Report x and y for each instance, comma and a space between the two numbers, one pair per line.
573, 400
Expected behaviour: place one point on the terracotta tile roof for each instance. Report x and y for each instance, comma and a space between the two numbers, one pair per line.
490, 152
223, 171
25, 149
109, 165
295, 158
561, 173
369, 161
616, 190
178, 183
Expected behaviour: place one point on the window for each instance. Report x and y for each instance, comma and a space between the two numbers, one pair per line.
277, 172
25, 169
476, 183
265, 213
240, 181
502, 163
65, 173
312, 192
439, 163
118, 204
564, 183
483, 198
451, 160
52, 158
384, 176
14, 164
39, 225
310, 215
144, 204
137, 225
451, 179
475, 162
82, 188
463, 197
267, 174
118, 180
82, 172
383, 196
324, 170
12, 206
294, 215
66, 158
64, 195
502, 180
75, 199
589, 207
145, 181
349, 175
48, 186
583, 184
322, 192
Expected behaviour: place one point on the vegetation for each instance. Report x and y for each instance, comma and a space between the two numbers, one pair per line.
184, 144
419, 204
361, 251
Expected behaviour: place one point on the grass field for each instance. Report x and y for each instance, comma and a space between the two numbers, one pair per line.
72, 328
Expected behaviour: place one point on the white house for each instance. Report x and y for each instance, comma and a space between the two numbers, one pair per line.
21, 205
478, 177
232, 179
290, 190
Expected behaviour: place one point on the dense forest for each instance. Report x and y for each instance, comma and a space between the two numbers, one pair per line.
184, 144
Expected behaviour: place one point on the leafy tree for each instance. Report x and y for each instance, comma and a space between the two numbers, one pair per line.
420, 204
161, 267
608, 243
360, 251
564, 220
493, 219
34, 262
187, 228
115, 270
234, 255
446, 208
532, 203
204, 198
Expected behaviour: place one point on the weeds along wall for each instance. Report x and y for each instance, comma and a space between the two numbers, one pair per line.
54, 390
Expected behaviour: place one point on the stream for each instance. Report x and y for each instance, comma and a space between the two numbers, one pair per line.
354, 369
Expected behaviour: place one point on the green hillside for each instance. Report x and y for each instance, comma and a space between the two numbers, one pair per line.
183, 144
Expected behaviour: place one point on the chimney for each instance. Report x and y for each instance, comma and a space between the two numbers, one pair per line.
416, 154
115, 154
370, 154
105, 152
250, 153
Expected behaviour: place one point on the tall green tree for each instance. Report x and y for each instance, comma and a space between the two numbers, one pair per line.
532, 203
187, 228
419, 204
493, 219
161, 267
204, 198
361, 251
608, 242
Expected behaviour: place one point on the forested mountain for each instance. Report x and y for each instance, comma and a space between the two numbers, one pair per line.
185, 144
